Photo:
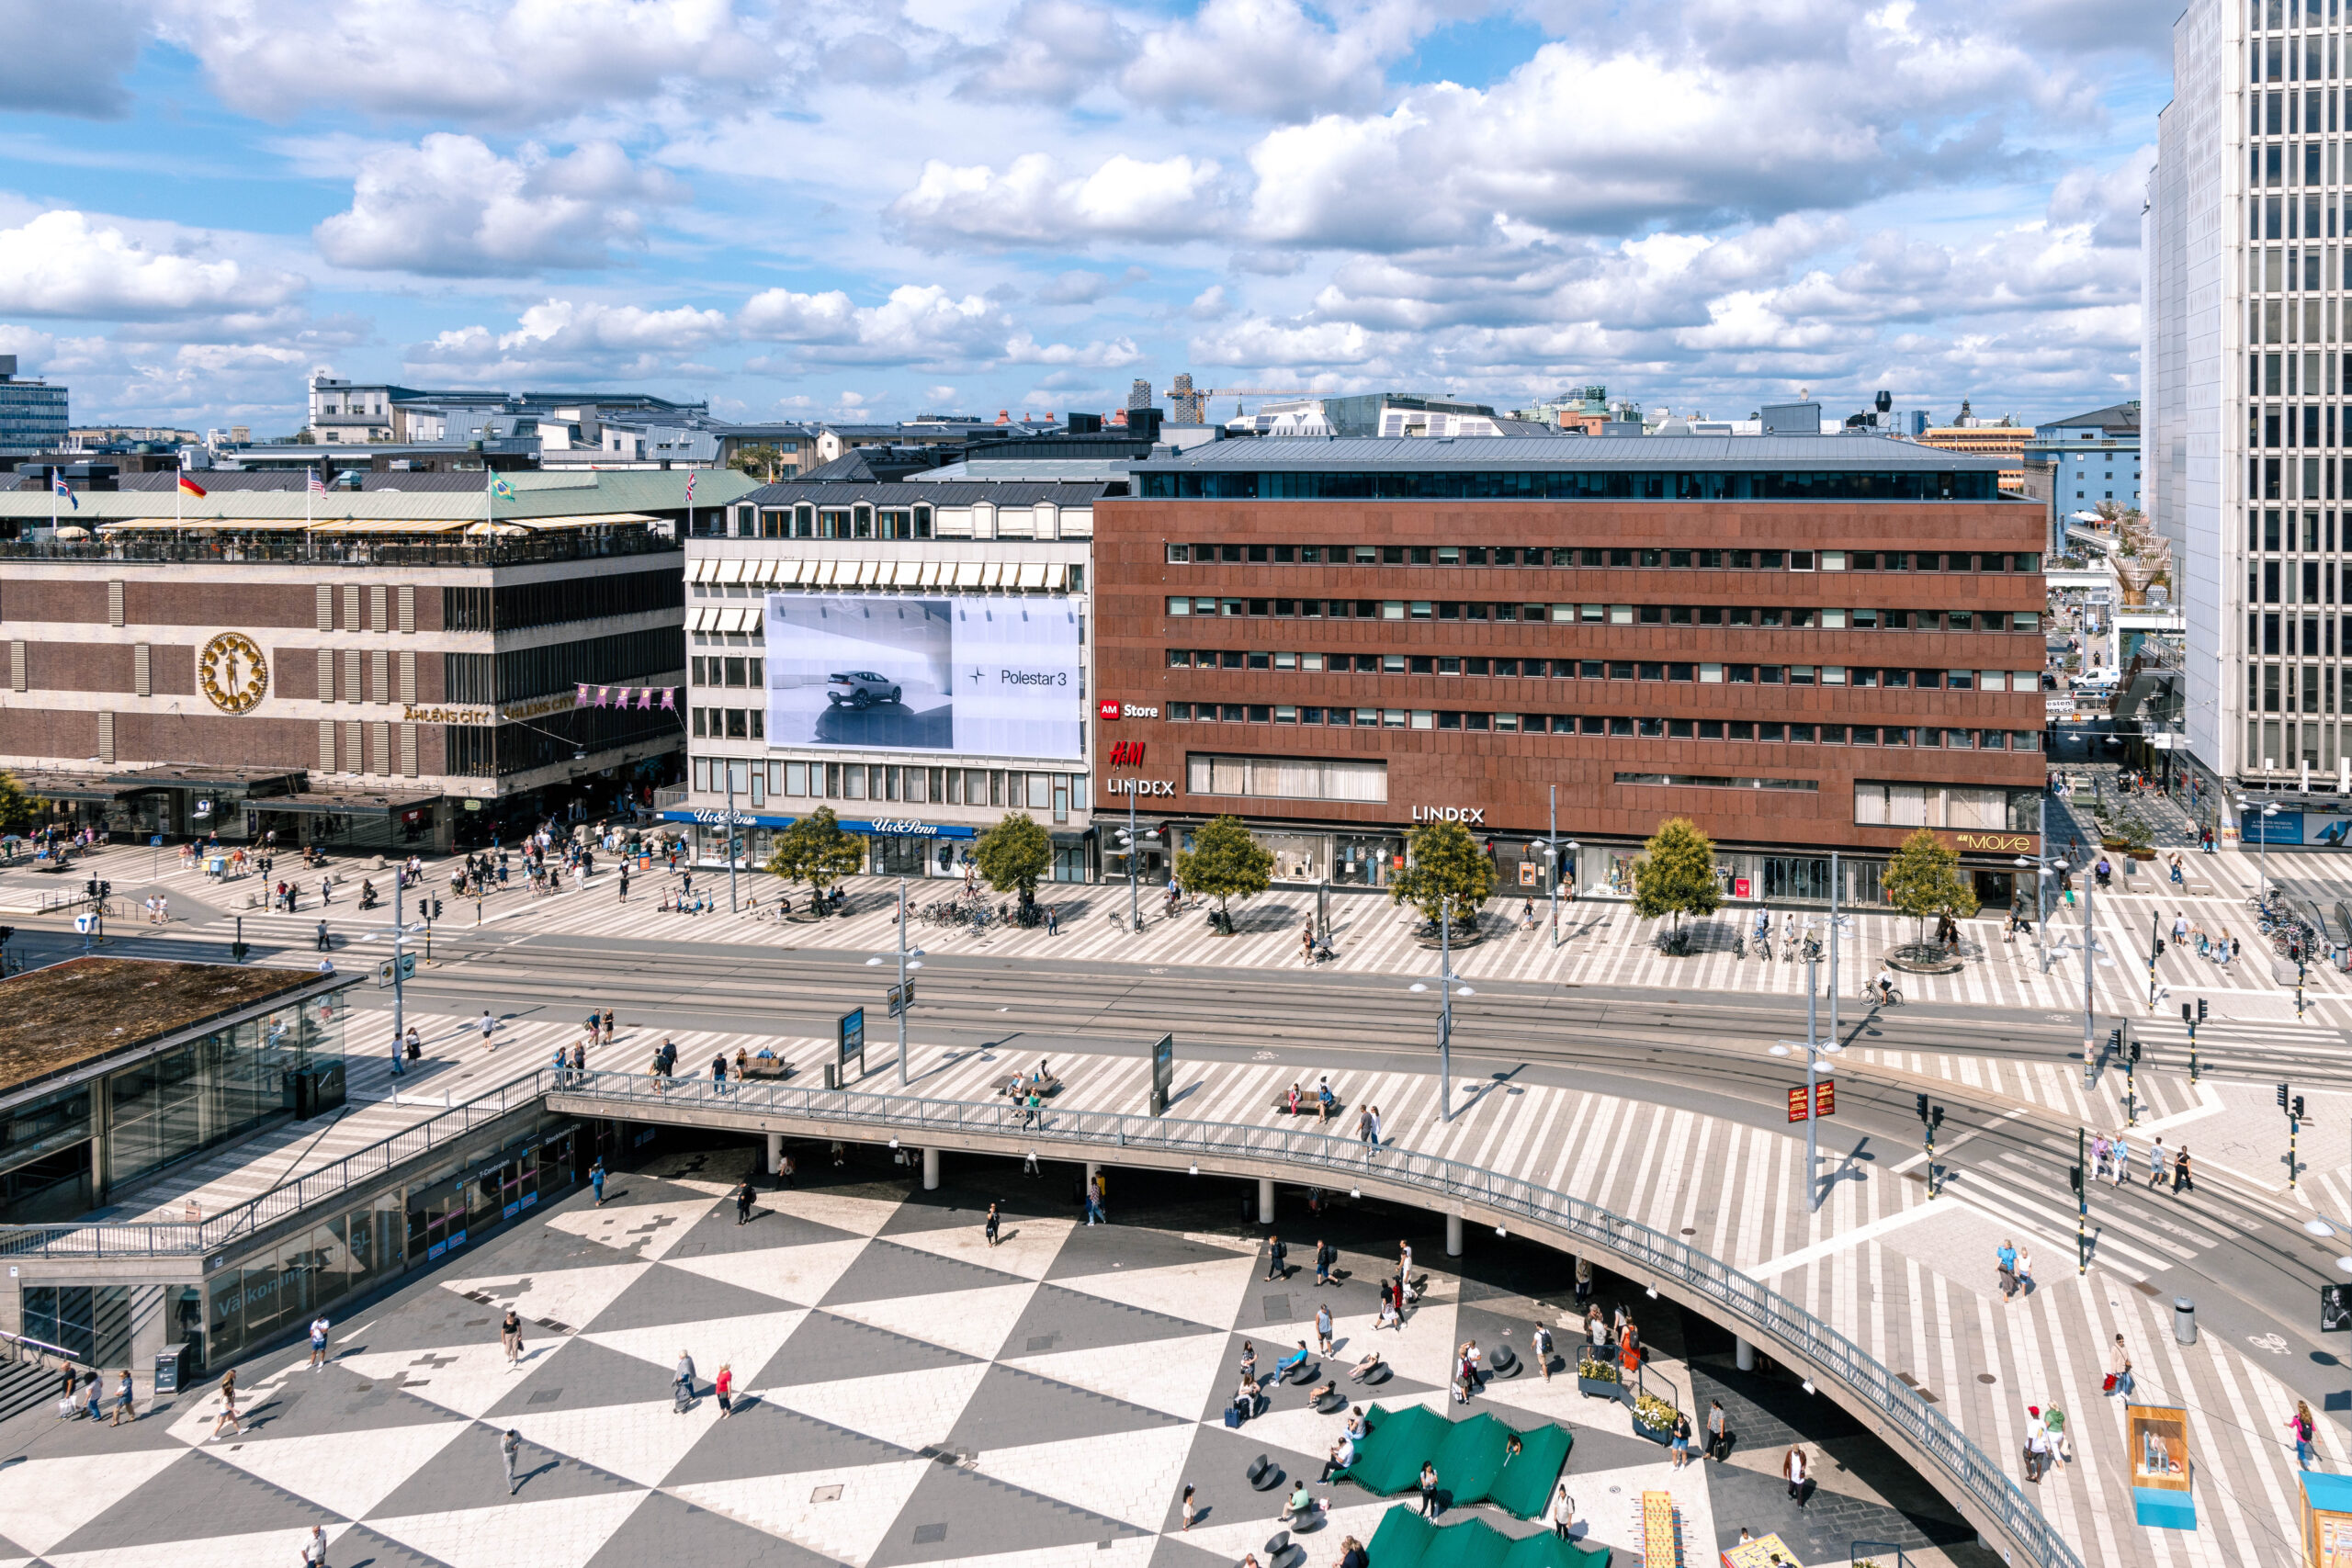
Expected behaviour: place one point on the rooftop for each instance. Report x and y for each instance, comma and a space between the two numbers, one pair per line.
56, 1018
1653, 453
936, 492
537, 496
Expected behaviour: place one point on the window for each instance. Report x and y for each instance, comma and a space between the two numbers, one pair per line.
1287, 778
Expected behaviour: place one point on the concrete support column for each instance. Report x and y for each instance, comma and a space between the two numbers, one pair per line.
1743, 1355
776, 1152
1265, 1200
1093, 1169
931, 1170
1454, 1235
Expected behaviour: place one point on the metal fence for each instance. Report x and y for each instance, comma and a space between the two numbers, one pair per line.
181, 1237
1739, 1301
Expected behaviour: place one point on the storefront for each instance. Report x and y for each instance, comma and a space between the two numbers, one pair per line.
895, 846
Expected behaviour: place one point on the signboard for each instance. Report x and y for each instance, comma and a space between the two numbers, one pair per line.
2328, 1519
2155, 1440
988, 676
2321, 828
851, 1042
1529, 874
2335, 1308
901, 997
407, 970
1163, 1072
1741, 887
1825, 1098
1797, 1109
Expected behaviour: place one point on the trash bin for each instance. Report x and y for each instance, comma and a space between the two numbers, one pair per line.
2184, 1320
833, 1075
173, 1365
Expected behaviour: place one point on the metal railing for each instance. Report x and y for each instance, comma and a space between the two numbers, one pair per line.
1739, 1300
185, 1237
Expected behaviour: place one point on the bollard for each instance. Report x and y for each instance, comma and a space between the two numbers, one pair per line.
2184, 1320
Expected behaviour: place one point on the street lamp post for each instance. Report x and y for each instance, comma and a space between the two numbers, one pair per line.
1553, 845
1815, 1049
1449, 985
1134, 839
2262, 855
909, 959
731, 847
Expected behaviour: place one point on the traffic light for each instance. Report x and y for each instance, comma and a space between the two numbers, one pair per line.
2136, 1050
1936, 1117
2159, 947
1923, 1108
436, 909
2115, 1041
91, 887
2200, 1010
2185, 1016
2282, 1097
2074, 1179
2296, 1109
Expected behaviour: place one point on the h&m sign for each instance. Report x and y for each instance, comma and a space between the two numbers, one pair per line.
1126, 754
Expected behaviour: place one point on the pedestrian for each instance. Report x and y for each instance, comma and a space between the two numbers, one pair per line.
1275, 1253
723, 1389
510, 1337
1681, 1440
2037, 1444
1326, 1255
2121, 1162
228, 1406
2158, 1161
2118, 1370
682, 1384
2005, 1270
2098, 1154
318, 1342
2300, 1427
122, 1407
510, 1449
1323, 1326
1541, 1343
608, 1022
488, 1026
2025, 1271
1053, 920
989, 1224
321, 943
2180, 1178
1584, 1280
1428, 1485
1793, 1469
2054, 1420
785, 1169
1563, 1512
1718, 1431
314, 1547
596, 1179
1185, 1510
743, 1200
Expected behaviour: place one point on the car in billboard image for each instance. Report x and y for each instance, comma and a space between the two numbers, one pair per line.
859, 689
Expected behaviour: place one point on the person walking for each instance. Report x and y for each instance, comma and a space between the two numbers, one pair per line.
1584, 1280
608, 1022
2122, 1153
1718, 1431
1681, 1440
228, 1407
682, 1384
1795, 1471
2159, 1163
1541, 1343
596, 1179
314, 1547
1275, 1254
722, 1387
318, 1342
322, 945
1184, 1508
1325, 1257
2025, 1271
2180, 1176
989, 1224
743, 1201
1428, 1485
2299, 1427
1323, 1326
510, 1338
2055, 1421
2119, 1368
1563, 1511
510, 1449
2005, 1270
488, 1026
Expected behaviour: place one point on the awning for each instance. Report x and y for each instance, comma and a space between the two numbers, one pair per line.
69, 786
343, 805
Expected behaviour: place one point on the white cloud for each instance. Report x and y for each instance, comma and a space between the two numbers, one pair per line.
1098, 356
1079, 287
1052, 51
69, 62
475, 61
1271, 58
450, 206
63, 262
1033, 203
918, 324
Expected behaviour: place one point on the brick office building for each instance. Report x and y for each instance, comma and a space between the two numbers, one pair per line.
387, 670
1801, 643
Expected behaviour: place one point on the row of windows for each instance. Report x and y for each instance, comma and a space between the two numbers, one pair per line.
1572, 484
513, 606
2274, 688
716, 671
729, 724
487, 752
2289, 218
1616, 669
2272, 633
1773, 732
2293, 163
2292, 60
859, 522
601, 661
2275, 15
755, 781
2263, 477
1539, 556
1795, 618
2263, 582
2291, 114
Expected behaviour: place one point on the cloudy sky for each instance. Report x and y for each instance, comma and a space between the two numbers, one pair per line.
901, 206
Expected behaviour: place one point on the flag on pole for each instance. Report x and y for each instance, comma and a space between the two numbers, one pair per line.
318, 486
499, 488
190, 487
690, 486
59, 487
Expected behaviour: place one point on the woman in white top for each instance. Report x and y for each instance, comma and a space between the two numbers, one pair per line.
1793, 1471
1563, 1512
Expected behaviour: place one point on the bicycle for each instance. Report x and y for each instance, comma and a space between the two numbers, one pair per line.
1892, 997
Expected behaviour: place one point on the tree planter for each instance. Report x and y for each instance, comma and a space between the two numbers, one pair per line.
1601, 1388
1661, 1436
1923, 958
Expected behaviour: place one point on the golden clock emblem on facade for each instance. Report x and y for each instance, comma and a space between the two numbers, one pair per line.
233, 672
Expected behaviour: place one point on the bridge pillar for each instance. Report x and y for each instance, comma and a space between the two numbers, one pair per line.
931, 1170
1743, 1355
776, 1152
1265, 1200
1454, 1235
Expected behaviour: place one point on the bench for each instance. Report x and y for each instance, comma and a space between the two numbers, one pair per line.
1017, 1087
774, 1068
1308, 1106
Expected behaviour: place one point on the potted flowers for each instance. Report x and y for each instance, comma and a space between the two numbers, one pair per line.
1597, 1379
1653, 1419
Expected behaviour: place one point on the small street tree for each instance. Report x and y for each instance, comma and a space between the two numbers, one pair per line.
817, 849
1675, 875
1923, 880
1014, 856
1446, 875
18, 809
1224, 861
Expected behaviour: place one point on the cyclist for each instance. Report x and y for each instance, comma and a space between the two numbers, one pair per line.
1883, 984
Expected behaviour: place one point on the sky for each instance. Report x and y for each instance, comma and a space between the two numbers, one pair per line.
901, 206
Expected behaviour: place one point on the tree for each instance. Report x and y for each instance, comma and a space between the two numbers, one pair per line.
1015, 855
1924, 880
1446, 873
762, 457
817, 849
1675, 875
18, 809
1225, 861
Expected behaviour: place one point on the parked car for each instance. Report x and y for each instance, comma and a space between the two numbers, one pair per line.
859, 689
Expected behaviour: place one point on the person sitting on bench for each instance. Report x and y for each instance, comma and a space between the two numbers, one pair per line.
1245, 1399
1363, 1369
1315, 1395
1296, 1358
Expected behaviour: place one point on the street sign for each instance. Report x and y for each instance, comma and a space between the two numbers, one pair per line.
1163, 1072
384, 970
852, 1041
1797, 1109
2335, 1308
901, 997
1825, 1098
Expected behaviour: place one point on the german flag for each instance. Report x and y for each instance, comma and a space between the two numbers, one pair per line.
190, 487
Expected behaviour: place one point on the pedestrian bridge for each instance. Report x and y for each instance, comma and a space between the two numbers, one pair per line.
1830, 1362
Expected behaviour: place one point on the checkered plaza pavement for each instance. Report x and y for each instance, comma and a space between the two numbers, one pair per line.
905, 1393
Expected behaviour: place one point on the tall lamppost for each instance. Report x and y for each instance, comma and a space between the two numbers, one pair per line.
909, 959
1815, 1049
2262, 856
1553, 844
1449, 985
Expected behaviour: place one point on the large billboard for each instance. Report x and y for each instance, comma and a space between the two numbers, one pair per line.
998, 677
